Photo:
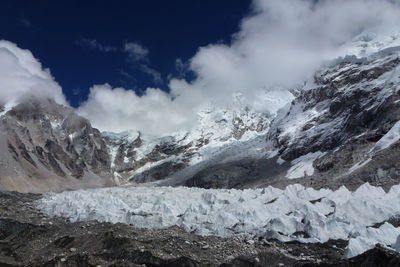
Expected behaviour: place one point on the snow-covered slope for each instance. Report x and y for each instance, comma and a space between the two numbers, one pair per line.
347, 114
368, 44
296, 213
339, 129
142, 158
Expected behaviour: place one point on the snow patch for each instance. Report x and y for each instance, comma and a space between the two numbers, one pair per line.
72, 136
303, 166
388, 139
359, 165
152, 164
280, 161
7, 107
55, 124
113, 150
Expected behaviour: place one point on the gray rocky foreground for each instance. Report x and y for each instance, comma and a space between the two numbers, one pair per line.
29, 238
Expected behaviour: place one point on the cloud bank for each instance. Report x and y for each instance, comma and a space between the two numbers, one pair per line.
118, 110
280, 44
21, 74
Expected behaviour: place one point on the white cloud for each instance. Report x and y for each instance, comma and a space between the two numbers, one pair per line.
21, 74
119, 109
281, 44
136, 51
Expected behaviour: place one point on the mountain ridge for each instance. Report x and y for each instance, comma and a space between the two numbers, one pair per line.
327, 136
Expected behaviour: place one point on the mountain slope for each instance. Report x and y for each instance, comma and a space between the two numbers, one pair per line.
46, 146
344, 118
139, 158
341, 129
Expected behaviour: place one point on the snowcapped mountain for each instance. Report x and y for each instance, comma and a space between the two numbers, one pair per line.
343, 124
340, 129
46, 146
140, 158
309, 173
371, 43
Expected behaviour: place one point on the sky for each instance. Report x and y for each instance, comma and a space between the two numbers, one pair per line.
151, 66
131, 44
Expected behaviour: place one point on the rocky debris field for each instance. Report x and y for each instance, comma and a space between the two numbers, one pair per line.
29, 238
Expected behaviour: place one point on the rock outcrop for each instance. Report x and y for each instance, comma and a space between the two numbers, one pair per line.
46, 146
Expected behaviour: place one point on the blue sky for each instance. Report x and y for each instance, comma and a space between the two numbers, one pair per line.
241, 54
82, 42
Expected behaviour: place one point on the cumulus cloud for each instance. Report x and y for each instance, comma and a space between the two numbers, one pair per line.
279, 45
283, 43
117, 109
21, 74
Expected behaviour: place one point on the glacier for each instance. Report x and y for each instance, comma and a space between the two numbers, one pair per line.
295, 213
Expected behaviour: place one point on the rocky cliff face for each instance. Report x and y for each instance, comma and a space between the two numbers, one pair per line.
46, 146
344, 124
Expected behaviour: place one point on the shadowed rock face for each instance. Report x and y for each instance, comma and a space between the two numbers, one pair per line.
350, 108
346, 101
237, 174
49, 147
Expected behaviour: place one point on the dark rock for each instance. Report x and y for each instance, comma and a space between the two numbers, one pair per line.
158, 172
